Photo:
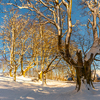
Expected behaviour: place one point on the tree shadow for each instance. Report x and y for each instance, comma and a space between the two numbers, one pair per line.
18, 91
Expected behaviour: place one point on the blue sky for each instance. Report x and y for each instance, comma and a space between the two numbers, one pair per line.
75, 14
75, 11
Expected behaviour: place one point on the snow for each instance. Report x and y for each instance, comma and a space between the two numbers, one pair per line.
98, 73
95, 49
25, 89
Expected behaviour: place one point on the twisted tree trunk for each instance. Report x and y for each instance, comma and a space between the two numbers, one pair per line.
83, 71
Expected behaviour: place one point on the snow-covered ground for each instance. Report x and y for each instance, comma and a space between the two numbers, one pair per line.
25, 89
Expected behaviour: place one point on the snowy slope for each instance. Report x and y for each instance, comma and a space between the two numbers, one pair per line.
98, 73
24, 89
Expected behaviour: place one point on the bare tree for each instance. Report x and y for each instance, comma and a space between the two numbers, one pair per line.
12, 30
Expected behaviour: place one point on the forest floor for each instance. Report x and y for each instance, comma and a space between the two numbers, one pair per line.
25, 89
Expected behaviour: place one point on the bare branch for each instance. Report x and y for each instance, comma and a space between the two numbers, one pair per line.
54, 14
32, 6
96, 59
29, 6
65, 3
90, 21
89, 5
55, 66
45, 4
50, 64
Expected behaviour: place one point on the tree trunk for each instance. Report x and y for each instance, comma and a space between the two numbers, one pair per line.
15, 69
43, 78
78, 76
21, 64
84, 77
10, 72
83, 71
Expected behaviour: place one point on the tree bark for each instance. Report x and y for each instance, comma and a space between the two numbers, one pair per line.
15, 69
83, 72
43, 78
21, 64
10, 72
